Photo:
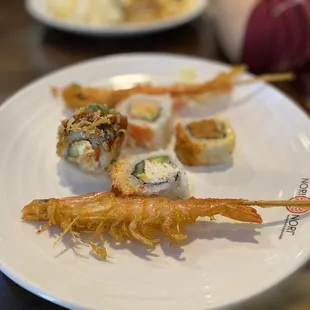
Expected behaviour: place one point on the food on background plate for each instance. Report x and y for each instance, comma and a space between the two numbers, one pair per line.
153, 174
91, 12
109, 12
76, 95
138, 218
152, 10
205, 142
92, 138
149, 120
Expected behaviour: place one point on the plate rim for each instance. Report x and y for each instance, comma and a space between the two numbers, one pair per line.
10, 273
122, 30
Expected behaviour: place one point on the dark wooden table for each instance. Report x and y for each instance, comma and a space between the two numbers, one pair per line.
29, 50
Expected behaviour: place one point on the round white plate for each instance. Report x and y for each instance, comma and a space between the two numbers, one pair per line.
222, 263
38, 10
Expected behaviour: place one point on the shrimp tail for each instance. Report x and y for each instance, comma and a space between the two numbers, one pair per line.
231, 208
242, 213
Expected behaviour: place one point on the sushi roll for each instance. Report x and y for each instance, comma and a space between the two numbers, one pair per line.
204, 142
154, 174
92, 137
149, 120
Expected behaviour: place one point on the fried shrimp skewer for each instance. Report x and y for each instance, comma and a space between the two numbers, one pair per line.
76, 96
137, 218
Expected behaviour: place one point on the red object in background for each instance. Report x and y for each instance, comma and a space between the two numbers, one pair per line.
278, 38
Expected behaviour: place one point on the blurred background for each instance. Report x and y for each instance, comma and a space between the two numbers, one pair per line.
226, 30
266, 35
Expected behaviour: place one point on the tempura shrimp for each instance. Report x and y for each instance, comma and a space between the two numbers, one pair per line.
137, 218
76, 96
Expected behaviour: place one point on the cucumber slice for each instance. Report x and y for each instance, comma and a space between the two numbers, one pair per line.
143, 177
96, 107
139, 169
151, 118
159, 159
73, 151
145, 110
76, 85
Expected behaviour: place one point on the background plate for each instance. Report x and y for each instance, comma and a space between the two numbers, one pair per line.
37, 9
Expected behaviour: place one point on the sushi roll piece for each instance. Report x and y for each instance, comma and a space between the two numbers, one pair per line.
149, 120
154, 174
204, 142
92, 138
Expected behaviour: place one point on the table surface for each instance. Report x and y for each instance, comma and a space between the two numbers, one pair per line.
29, 50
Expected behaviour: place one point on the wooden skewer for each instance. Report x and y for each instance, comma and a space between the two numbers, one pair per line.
281, 77
277, 203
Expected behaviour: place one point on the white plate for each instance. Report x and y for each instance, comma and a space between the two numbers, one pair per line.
223, 262
37, 9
